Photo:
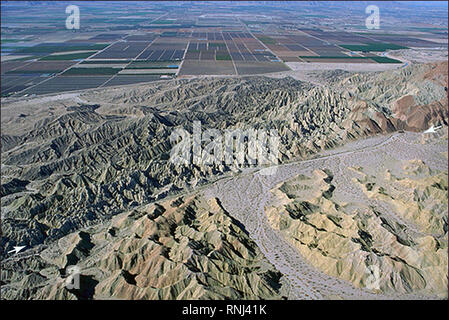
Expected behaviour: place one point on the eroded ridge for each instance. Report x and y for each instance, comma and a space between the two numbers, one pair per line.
313, 219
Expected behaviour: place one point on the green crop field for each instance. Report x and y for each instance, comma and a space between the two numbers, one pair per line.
384, 60
169, 34
91, 71
377, 47
217, 45
14, 40
223, 57
266, 40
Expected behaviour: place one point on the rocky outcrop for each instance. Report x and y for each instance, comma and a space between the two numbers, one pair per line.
403, 250
184, 248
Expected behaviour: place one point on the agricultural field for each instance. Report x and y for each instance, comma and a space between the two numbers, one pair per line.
131, 79
41, 67
328, 47
226, 53
209, 67
15, 83
163, 49
63, 83
119, 45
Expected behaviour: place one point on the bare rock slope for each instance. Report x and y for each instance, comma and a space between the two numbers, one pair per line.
77, 162
184, 248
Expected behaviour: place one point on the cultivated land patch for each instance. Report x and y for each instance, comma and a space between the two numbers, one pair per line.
149, 71
406, 41
247, 68
153, 65
44, 66
67, 83
91, 71
100, 65
209, 67
15, 57
266, 39
99, 61
53, 48
122, 50
347, 59
10, 65
11, 84
372, 47
131, 79
206, 45
71, 56
336, 59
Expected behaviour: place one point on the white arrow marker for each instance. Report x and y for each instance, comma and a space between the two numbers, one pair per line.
17, 249
432, 129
